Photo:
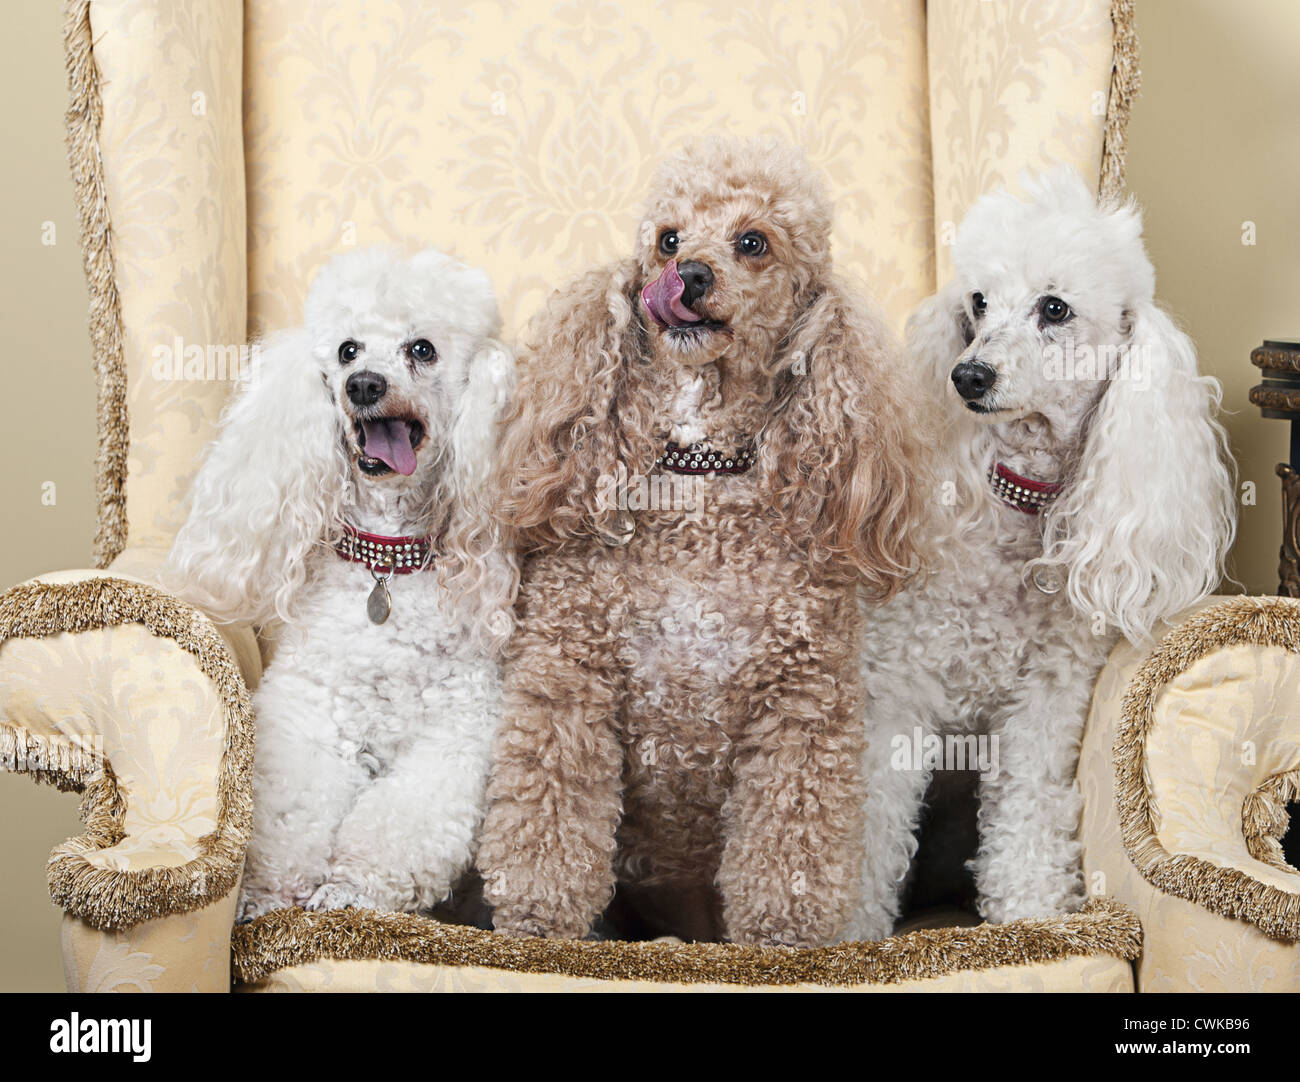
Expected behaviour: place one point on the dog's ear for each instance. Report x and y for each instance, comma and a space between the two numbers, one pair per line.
268, 490
489, 387
937, 333
1145, 524
839, 455
478, 564
563, 433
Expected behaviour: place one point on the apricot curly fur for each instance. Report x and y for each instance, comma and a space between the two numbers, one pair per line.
681, 709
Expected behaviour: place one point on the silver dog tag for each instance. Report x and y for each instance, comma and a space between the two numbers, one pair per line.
1048, 580
621, 528
379, 604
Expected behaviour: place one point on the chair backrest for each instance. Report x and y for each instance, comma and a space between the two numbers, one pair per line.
241, 144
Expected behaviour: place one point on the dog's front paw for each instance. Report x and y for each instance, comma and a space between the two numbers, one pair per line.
868, 925
520, 930
784, 918
776, 934
1004, 911
257, 903
339, 896
528, 924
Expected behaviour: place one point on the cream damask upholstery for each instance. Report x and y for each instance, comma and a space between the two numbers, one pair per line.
170, 80
1186, 748
223, 149
1015, 86
523, 139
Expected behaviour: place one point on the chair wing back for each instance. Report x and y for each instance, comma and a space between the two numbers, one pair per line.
1022, 84
224, 150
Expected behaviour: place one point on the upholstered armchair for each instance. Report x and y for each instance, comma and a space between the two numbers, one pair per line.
222, 149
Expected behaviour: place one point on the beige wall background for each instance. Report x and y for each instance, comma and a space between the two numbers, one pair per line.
1214, 143
50, 417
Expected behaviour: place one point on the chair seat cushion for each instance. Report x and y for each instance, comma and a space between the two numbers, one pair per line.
360, 950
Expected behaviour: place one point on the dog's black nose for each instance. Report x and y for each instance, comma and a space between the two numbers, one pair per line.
973, 380
366, 388
697, 278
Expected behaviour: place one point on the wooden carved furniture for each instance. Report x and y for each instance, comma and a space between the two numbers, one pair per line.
1279, 397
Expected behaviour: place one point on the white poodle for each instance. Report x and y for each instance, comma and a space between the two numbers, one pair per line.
1082, 492
372, 426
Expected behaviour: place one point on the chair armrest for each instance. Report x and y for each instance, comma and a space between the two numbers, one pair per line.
113, 688
1207, 754
1190, 754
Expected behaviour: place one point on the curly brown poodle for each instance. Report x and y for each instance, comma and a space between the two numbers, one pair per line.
708, 457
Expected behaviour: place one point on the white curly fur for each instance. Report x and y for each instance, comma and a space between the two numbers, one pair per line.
373, 741
1139, 533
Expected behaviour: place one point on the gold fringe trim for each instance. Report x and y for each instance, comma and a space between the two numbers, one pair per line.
102, 897
1264, 818
1230, 892
290, 937
66, 765
1125, 82
85, 111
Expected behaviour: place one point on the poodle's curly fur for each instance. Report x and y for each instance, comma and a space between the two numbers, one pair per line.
1007, 634
682, 709
373, 741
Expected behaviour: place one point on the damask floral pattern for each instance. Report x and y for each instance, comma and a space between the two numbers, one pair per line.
1013, 86
143, 705
170, 77
523, 135
183, 952
246, 143
130, 716
1231, 720
1195, 764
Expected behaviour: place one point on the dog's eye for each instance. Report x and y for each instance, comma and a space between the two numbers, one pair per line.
751, 244
668, 242
978, 304
349, 351
1054, 310
421, 350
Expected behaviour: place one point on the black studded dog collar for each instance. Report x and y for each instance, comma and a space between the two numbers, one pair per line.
700, 458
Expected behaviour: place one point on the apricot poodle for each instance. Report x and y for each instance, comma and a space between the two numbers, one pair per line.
708, 455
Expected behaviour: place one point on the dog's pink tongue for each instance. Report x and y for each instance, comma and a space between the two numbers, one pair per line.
663, 299
389, 441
